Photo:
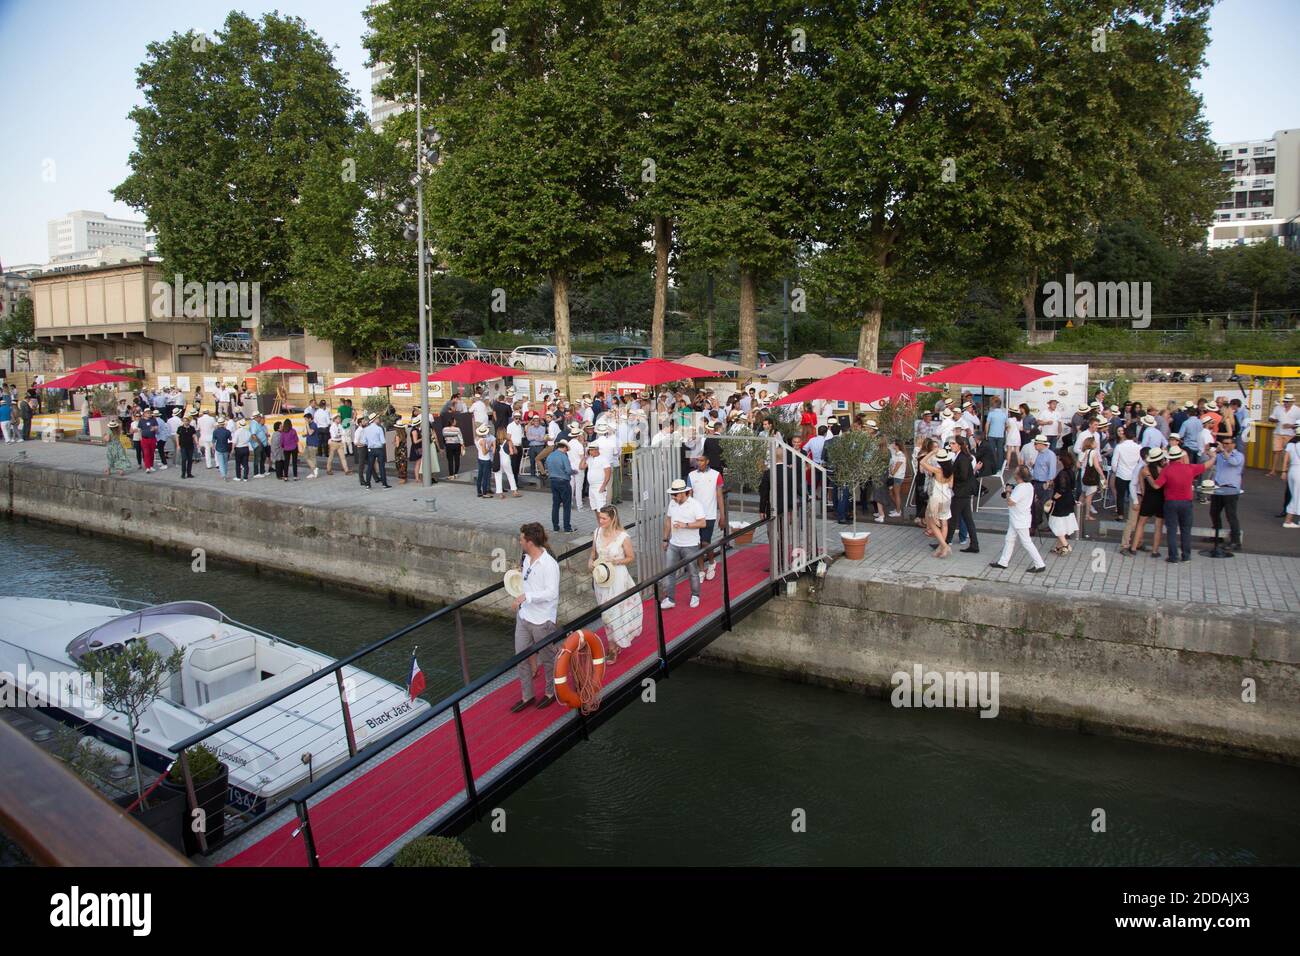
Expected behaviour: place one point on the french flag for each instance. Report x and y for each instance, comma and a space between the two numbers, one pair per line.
415, 683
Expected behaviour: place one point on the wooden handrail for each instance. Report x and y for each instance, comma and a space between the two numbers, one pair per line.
59, 821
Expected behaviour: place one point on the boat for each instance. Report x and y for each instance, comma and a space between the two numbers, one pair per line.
226, 667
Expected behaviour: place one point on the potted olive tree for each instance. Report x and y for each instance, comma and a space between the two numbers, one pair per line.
211, 778
130, 678
744, 456
432, 851
856, 458
104, 401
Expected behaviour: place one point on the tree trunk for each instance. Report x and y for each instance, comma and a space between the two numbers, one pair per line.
869, 335
135, 765
663, 242
748, 319
1029, 298
560, 297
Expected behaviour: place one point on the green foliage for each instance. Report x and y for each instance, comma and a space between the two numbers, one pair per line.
897, 420
1119, 392
223, 137
130, 678
354, 275
18, 329
744, 456
204, 764
432, 851
89, 762
856, 458
104, 400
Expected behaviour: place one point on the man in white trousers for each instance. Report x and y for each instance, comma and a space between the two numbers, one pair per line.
207, 425
1020, 502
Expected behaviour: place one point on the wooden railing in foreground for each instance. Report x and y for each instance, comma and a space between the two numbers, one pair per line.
59, 821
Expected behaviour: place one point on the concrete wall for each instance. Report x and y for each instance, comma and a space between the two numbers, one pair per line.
404, 558
1108, 665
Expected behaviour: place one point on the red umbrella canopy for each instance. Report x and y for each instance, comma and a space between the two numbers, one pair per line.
987, 372
279, 364
84, 379
855, 385
471, 371
103, 365
384, 377
653, 371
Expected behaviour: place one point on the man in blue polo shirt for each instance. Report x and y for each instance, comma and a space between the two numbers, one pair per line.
1229, 465
1042, 475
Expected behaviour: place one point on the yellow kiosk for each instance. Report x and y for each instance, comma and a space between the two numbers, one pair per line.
1273, 380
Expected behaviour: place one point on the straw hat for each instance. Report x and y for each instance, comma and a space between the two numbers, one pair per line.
1114, 409
482, 430
1096, 405
1157, 454
1174, 453
1040, 440
1085, 408
1148, 420
871, 423
221, 420
417, 421
947, 413
1189, 404
1207, 419
944, 455
514, 582
602, 572
1208, 484
1288, 397
679, 487
114, 423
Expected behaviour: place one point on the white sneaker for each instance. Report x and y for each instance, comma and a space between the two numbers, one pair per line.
713, 569
895, 514
149, 471
695, 600
879, 519
162, 467
667, 603
312, 475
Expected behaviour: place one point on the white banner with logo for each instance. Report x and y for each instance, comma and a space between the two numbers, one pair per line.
1068, 384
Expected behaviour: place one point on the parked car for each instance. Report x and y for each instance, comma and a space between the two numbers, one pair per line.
733, 355
1201, 377
616, 358
453, 349
539, 358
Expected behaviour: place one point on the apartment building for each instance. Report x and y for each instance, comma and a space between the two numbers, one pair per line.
1263, 202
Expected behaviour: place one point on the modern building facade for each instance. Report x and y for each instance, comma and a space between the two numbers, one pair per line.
108, 313
1264, 200
83, 230
380, 108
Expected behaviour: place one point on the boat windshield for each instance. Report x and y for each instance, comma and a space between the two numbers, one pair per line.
147, 620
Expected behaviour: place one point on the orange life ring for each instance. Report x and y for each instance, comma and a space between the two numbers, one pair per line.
563, 691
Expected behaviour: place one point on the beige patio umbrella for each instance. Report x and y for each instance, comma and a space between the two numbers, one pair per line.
722, 367
810, 366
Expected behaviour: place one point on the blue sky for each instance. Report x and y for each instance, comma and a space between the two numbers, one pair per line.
67, 72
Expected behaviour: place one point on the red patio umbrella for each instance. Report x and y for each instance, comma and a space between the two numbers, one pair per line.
84, 379
279, 364
988, 373
384, 377
854, 385
654, 371
104, 365
471, 371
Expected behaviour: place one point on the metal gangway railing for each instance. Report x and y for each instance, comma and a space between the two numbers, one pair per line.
481, 781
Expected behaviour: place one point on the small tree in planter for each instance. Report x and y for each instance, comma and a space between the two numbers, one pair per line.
132, 677
378, 405
856, 458
897, 420
210, 778
744, 456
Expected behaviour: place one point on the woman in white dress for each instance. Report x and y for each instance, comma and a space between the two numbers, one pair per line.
1011, 436
623, 620
1291, 472
938, 510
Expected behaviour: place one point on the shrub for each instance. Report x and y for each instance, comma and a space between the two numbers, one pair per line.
855, 459
432, 851
204, 765
744, 456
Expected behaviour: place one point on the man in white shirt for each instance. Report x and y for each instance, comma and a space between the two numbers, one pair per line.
706, 488
536, 612
598, 477
321, 416
969, 420
1126, 460
1020, 506
667, 433
947, 427
1049, 423
813, 446
479, 410
221, 395
577, 455
207, 425
1286, 414
682, 526
610, 450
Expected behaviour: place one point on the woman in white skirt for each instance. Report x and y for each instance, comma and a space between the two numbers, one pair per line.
1061, 520
1011, 435
613, 548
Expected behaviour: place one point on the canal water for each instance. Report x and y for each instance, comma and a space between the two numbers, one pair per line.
726, 768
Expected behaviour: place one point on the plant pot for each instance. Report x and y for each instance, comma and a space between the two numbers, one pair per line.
744, 539
211, 798
164, 817
855, 544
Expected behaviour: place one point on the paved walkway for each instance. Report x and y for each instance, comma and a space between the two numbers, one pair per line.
1249, 580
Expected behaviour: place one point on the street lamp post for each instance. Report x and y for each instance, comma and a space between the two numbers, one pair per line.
426, 459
